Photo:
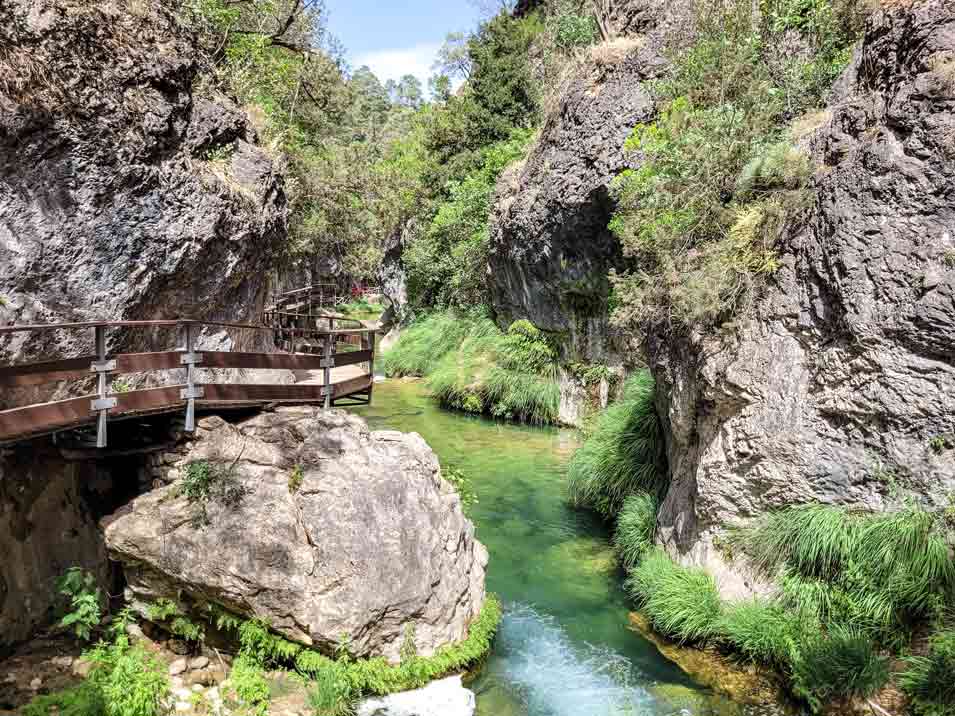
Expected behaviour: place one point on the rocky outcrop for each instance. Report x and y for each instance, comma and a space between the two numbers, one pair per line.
446, 697
324, 529
46, 527
840, 386
550, 249
125, 194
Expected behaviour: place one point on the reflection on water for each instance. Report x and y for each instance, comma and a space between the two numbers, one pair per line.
564, 648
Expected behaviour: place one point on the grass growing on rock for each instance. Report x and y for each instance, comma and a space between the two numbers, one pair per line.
624, 453
636, 524
470, 365
682, 603
928, 680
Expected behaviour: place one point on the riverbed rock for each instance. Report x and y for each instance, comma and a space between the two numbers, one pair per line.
446, 697
368, 544
127, 195
839, 387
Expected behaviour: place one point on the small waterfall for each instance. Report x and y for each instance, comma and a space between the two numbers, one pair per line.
555, 677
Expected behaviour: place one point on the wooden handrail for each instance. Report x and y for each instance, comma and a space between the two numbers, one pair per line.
28, 421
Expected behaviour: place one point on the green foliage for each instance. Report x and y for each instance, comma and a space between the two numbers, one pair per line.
247, 686
882, 573
719, 175
928, 679
131, 682
764, 632
841, 664
82, 700
295, 479
83, 612
446, 263
623, 455
571, 26
472, 366
681, 602
636, 525
462, 485
205, 482
593, 373
161, 610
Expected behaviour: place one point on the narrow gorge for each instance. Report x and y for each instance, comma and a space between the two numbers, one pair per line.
534, 358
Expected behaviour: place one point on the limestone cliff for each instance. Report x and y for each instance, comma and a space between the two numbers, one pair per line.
126, 193
839, 383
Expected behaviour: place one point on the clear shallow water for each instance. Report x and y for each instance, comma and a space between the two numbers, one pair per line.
564, 648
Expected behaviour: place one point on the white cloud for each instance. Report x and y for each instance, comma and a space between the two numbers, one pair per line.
394, 64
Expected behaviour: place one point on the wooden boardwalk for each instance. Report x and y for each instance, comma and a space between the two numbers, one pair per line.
331, 366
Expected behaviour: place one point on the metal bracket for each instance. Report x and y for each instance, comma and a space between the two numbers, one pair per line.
327, 363
103, 403
103, 366
191, 358
193, 392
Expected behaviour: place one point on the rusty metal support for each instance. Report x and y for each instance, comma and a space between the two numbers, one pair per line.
189, 359
328, 364
102, 367
371, 364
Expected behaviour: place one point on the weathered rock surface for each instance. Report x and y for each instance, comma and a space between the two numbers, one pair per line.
371, 546
551, 249
123, 193
45, 528
841, 384
446, 697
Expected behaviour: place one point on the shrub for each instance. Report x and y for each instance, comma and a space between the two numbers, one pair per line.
682, 603
82, 700
636, 524
205, 481
83, 613
131, 681
763, 632
247, 685
928, 680
624, 453
840, 664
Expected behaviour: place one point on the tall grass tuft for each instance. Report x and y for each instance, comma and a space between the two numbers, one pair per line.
623, 455
763, 632
681, 602
428, 340
930, 680
636, 525
841, 664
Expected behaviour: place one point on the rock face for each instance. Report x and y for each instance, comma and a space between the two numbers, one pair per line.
551, 249
46, 527
124, 193
446, 697
333, 532
842, 383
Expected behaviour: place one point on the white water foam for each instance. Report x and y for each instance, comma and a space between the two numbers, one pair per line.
555, 677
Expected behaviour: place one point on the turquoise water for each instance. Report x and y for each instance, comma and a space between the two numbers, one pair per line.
564, 648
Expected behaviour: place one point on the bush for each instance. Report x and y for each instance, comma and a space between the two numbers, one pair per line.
682, 603
840, 664
624, 453
928, 680
82, 700
636, 524
763, 632
130, 681
83, 613
247, 685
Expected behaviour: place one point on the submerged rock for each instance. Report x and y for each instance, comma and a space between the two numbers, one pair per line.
446, 697
328, 531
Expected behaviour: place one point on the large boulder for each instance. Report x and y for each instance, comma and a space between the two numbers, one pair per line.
125, 192
330, 533
840, 387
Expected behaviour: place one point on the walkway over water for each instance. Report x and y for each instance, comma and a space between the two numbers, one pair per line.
331, 366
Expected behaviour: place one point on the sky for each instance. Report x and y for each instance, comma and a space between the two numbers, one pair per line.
397, 38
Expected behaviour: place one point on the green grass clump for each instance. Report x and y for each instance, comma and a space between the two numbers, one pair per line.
763, 632
623, 455
681, 602
82, 700
636, 524
930, 680
841, 664
470, 365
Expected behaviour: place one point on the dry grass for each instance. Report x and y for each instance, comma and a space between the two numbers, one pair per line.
611, 53
806, 125
942, 66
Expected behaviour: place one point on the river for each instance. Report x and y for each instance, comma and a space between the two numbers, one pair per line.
564, 648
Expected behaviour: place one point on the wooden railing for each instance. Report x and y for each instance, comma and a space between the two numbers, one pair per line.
332, 349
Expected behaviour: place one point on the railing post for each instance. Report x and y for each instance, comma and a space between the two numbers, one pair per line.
190, 359
328, 364
371, 363
103, 402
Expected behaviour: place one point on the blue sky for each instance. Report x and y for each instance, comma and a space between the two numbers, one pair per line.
397, 38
